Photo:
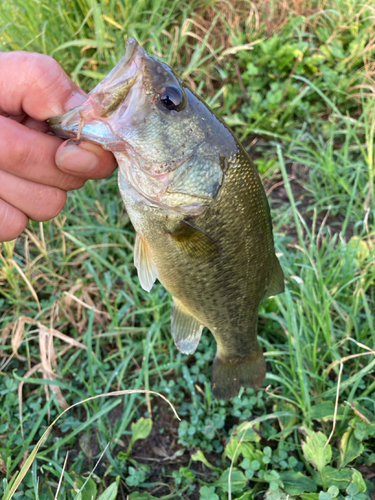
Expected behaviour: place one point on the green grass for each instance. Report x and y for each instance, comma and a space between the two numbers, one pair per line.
304, 107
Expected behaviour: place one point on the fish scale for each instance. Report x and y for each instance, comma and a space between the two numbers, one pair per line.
198, 207
222, 292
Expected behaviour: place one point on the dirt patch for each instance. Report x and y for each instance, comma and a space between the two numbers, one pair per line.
164, 455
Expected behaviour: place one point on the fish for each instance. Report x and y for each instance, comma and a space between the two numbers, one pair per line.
197, 204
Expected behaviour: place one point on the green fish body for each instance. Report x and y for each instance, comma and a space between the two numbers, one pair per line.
197, 204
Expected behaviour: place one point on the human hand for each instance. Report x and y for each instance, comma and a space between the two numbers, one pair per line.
37, 168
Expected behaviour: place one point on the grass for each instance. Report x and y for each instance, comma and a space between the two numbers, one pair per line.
295, 81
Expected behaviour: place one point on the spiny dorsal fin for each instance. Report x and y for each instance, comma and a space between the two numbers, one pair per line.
276, 285
186, 330
146, 268
194, 241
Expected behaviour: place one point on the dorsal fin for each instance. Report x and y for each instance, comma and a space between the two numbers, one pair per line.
146, 268
195, 242
186, 330
276, 285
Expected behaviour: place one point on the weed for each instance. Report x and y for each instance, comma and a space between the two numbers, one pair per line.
295, 80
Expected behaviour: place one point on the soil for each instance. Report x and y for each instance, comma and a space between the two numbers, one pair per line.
160, 451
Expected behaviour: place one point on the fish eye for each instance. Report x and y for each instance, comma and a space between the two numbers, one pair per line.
171, 97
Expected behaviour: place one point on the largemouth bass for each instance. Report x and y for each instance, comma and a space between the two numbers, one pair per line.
197, 204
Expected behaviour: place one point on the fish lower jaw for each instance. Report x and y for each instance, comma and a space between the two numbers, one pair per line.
134, 195
155, 195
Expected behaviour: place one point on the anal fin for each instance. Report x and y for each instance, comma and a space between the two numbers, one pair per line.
276, 285
146, 268
186, 330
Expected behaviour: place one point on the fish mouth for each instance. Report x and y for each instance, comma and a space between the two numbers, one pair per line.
94, 120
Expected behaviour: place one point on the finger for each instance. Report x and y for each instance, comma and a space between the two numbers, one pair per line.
36, 125
37, 201
35, 84
12, 221
72, 157
30, 154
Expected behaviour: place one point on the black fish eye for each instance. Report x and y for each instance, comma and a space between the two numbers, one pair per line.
171, 97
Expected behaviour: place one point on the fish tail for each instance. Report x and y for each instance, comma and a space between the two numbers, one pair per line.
230, 374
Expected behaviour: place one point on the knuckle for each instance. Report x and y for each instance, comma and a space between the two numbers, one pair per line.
45, 68
48, 75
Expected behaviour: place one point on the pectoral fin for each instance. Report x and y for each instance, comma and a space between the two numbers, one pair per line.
276, 285
195, 242
146, 268
186, 330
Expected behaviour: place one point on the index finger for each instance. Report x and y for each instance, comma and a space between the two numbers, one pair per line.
35, 84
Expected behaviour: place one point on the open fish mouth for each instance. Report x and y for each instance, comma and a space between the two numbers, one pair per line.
109, 104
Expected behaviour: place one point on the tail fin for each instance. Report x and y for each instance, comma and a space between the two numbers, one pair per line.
229, 375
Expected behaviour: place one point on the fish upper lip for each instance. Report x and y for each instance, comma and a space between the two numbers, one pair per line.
104, 99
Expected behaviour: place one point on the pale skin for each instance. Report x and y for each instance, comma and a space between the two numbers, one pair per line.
37, 168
